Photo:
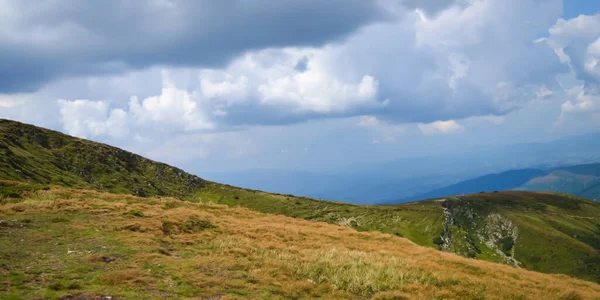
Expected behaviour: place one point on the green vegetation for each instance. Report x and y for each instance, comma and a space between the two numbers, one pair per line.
553, 233
37, 155
63, 243
580, 180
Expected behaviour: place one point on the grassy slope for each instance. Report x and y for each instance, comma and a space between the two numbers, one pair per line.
29, 153
56, 242
556, 233
44, 156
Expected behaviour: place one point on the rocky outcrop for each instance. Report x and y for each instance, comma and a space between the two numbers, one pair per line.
467, 229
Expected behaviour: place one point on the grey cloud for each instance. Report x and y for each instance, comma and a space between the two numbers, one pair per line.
302, 64
54, 39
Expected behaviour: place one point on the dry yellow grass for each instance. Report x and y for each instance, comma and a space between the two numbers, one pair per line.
236, 253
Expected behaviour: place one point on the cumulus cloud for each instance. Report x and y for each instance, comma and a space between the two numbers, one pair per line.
57, 38
85, 118
580, 102
231, 90
172, 107
441, 127
577, 43
456, 61
454, 64
312, 91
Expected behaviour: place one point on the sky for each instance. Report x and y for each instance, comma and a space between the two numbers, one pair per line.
217, 86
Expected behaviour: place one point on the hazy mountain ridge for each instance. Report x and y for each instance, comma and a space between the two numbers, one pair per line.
411, 178
579, 180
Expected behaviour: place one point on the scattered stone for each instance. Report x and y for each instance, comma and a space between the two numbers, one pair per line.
4, 268
109, 258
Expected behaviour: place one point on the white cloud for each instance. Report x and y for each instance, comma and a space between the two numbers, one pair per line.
592, 61
577, 42
230, 90
368, 121
271, 80
313, 91
441, 127
580, 102
84, 118
543, 93
11, 101
173, 107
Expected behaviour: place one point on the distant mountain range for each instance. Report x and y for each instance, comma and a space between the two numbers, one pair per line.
417, 177
579, 180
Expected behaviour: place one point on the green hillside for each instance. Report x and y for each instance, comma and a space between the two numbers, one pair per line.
33, 154
66, 244
582, 180
553, 233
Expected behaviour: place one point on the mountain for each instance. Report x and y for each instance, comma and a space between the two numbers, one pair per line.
358, 188
547, 232
493, 182
409, 178
579, 180
64, 243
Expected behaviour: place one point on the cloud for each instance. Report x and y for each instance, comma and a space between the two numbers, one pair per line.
463, 61
577, 43
313, 91
441, 127
232, 90
368, 121
84, 118
406, 70
580, 102
10, 101
454, 64
62, 38
172, 107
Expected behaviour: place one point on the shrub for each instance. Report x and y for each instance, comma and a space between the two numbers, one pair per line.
507, 244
